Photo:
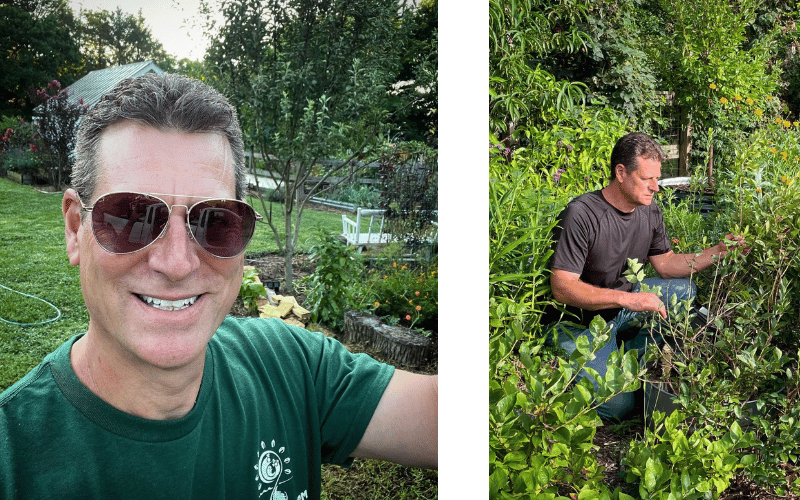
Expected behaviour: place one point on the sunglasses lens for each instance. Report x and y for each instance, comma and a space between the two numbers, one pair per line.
222, 227
127, 222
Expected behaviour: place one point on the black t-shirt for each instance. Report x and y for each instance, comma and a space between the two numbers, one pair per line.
594, 240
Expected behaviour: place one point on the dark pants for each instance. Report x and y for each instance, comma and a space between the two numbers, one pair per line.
624, 322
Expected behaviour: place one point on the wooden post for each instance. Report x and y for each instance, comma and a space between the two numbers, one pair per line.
684, 143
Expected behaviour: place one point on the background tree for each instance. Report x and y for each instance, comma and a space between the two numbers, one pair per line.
116, 38
36, 46
56, 124
414, 100
310, 80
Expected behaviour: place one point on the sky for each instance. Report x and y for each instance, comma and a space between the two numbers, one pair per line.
169, 22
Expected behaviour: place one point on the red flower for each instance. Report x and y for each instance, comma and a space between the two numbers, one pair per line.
34, 147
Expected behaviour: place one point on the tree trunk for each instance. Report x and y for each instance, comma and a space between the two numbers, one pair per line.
684, 144
400, 344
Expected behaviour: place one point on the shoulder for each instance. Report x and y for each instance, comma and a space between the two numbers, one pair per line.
277, 343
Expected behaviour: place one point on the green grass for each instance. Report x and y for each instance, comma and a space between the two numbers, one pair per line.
34, 262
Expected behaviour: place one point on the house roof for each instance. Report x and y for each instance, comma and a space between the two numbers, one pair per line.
92, 86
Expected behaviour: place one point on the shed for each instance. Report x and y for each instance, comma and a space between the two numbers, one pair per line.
92, 86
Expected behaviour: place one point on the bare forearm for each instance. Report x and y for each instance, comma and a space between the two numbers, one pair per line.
684, 264
586, 296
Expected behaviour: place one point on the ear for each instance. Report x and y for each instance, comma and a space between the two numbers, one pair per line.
71, 210
619, 170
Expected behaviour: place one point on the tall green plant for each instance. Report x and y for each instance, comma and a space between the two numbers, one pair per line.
333, 292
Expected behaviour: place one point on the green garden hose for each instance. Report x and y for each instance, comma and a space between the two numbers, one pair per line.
58, 311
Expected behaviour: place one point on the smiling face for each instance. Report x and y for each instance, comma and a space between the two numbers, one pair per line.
640, 186
161, 305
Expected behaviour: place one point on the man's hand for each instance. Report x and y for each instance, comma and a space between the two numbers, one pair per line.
731, 240
645, 301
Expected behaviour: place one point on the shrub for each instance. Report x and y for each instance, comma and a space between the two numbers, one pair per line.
334, 284
407, 295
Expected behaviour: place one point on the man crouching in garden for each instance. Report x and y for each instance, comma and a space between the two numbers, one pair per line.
165, 395
596, 235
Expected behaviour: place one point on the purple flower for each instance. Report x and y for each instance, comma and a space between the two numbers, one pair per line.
557, 175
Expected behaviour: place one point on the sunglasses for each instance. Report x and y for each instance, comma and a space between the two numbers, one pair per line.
126, 222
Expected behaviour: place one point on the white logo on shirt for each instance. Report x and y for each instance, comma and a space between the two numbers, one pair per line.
272, 471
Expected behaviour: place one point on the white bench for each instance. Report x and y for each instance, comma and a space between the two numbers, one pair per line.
351, 229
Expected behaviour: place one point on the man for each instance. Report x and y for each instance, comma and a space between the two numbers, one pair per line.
165, 396
597, 233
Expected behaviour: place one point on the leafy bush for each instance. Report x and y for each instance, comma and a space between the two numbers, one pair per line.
406, 295
251, 290
677, 462
334, 284
541, 423
360, 195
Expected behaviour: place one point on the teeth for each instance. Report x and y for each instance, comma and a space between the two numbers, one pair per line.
168, 305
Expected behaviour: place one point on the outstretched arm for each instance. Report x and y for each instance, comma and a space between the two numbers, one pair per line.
405, 426
680, 265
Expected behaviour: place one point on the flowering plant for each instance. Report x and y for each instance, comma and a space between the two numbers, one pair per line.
407, 295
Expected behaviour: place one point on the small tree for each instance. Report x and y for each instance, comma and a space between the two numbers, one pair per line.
311, 82
56, 119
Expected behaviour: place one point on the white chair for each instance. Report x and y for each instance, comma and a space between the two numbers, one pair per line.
351, 229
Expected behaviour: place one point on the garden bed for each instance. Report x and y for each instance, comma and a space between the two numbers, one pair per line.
270, 267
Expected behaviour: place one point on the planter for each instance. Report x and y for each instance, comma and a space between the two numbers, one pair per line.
400, 344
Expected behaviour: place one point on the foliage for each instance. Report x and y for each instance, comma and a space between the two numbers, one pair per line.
360, 195
57, 123
414, 98
406, 295
409, 176
251, 290
676, 462
116, 38
541, 423
275, 61
37, 46
17, 146
522, 95
332, 292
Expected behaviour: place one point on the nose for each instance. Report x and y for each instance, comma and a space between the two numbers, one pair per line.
174, 254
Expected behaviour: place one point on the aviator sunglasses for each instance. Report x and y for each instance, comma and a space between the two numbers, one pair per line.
125, 222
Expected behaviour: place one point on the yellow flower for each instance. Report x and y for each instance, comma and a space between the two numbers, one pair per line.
769, 97
758, 112
758, 190
785, 155
712, 87
773, 150
749, 101
796, 124
786, 124
416, 293
377, 304
419, 308
737, 97
723, 100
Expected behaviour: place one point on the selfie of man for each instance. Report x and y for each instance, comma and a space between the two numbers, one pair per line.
166, 395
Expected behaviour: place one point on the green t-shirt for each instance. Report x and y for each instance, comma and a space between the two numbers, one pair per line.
275, 402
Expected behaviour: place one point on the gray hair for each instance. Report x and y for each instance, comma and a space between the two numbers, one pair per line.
164, 102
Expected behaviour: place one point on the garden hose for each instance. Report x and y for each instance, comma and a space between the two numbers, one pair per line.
33, 297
